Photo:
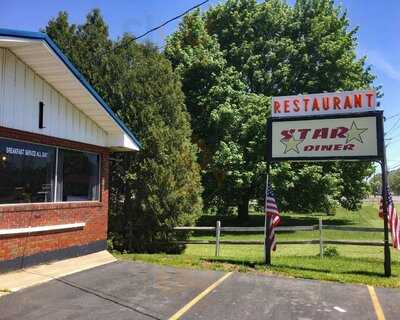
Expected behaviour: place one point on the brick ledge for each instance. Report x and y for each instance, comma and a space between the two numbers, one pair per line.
48, 206
40, 229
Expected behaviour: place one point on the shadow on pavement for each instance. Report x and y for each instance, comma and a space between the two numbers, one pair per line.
250, 264
253, 264
365, 273
114, 299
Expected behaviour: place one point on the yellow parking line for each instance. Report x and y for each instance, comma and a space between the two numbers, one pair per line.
186, 307
376, 304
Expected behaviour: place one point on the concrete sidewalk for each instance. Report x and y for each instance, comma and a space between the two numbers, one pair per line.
17, 280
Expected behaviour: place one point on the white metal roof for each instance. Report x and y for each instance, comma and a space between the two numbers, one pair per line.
39, 52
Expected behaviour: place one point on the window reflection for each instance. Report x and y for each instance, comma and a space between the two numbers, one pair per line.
80, 176
26, 172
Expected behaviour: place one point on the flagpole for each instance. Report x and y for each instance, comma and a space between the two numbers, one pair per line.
267, 249
387, 262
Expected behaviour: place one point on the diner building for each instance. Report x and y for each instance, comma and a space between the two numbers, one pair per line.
56, 136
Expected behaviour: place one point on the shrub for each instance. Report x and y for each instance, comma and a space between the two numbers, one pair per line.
330, 252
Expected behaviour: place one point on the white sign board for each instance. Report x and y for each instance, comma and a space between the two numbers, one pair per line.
325, 138
324, 104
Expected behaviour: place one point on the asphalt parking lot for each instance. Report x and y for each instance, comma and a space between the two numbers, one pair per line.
130, 290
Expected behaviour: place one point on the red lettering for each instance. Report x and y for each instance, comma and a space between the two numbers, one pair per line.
277, 107
287, 134
336, 103
369, 95
326, 147
315, 105
357, 101
337, 147
303, 133
286, 104
347, 103
342, 132
320, 133
325, 103
339, 132
349, 146
309, 148
306, 100
296, 103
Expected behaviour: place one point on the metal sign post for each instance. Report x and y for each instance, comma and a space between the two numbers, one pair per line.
387, 259
267, 247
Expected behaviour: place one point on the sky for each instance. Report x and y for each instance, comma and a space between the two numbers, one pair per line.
378, 36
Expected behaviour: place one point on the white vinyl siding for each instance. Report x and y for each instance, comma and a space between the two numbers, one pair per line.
21, 89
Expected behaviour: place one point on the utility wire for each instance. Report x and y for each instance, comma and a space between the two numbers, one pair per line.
394, 126
170, 20
394, 167
393, 116
392, 142
163, 24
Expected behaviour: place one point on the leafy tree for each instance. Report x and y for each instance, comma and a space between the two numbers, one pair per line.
228, 121
293, 179
158, 187
353, 182
394, 181
289, 50
374, 185
275, 49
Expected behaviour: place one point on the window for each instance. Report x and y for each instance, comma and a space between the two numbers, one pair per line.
26, 172
78, 176
37, 173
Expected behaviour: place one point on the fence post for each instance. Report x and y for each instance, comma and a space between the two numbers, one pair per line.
217, 237
321, 243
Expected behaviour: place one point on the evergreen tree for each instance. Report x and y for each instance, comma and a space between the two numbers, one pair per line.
157, 188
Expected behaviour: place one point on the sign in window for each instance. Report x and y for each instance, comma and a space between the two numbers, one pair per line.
27, 172
31, 173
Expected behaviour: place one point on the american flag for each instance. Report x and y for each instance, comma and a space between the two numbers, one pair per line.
271, 210
393, 219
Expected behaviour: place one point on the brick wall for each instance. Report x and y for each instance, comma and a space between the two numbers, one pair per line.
94, 214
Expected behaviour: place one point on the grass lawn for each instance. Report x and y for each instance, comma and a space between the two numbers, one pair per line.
354, 264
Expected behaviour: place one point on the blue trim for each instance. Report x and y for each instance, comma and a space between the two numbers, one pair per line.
71, 67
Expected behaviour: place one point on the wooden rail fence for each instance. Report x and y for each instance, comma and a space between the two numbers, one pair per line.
218, 229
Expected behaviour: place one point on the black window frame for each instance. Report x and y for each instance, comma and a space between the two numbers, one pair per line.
57, 174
